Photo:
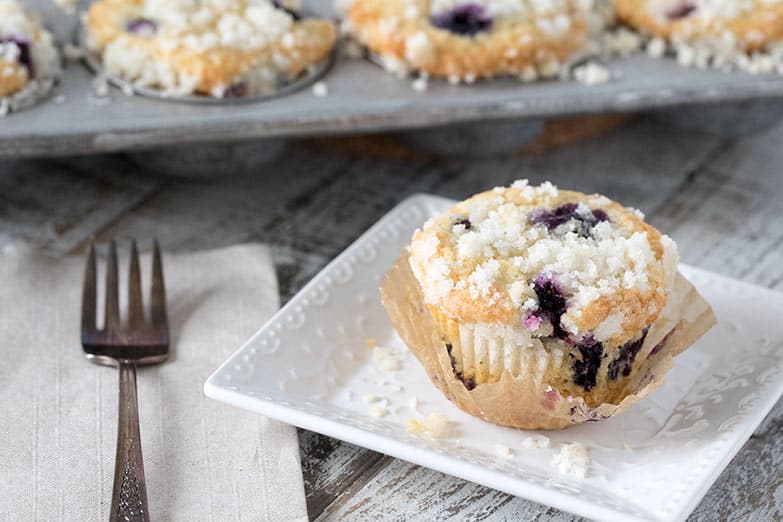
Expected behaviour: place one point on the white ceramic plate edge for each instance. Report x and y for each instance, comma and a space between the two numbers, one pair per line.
379, 443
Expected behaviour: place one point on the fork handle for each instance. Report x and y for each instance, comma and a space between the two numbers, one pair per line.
129, 497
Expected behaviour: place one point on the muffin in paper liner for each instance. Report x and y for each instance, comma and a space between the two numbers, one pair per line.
528, 401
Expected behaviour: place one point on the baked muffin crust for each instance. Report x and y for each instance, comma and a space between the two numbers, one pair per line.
747, 25
468, 40
214, 47
557, 262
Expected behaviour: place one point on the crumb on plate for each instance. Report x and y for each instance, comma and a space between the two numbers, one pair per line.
433, 426
385, 359
573, 459
535, 442
370, 398
378, 411
501, 450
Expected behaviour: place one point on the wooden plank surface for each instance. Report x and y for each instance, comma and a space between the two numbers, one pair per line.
721, 198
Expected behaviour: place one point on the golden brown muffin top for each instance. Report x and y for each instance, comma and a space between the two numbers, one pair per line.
561, 263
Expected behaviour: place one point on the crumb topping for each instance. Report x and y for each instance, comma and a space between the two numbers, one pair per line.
242, 24
558, 262
221, 48
717, 34
709, 11
466, 40
552, 16
15, 20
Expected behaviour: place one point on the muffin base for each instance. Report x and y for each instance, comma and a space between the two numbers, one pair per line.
527, 401
32, 94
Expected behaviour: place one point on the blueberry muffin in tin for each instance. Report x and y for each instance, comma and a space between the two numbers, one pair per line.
29, 62
743, 25
549, 285
465, 40
219, 48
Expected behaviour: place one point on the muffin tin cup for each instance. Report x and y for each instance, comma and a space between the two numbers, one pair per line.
731, 120
361, 98
35, 93
480, 139
210, 160
93, 63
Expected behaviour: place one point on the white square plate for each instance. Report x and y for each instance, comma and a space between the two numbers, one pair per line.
310, 366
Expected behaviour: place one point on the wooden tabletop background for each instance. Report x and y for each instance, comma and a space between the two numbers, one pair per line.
717, 190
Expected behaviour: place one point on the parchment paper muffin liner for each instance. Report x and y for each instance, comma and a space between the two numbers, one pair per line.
526, 401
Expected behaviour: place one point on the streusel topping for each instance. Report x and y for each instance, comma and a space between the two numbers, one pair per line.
560, 263
707, 10
223, 48
241, 24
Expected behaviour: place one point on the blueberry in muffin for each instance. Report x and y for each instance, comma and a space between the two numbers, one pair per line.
465, 40
556, 285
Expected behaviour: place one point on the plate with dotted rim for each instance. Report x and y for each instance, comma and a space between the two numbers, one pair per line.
310, 366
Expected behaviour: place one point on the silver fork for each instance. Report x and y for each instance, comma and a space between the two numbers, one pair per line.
140, 341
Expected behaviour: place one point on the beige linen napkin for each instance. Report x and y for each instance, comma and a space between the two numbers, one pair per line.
58, 412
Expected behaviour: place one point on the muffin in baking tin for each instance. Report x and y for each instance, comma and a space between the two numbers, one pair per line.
465, 40
29, 62
745, 25
217, 48
550, 285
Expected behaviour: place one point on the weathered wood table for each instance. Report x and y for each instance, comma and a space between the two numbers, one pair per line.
720, 197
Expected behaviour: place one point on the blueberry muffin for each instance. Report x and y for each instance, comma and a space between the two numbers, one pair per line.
550, 285
219, 48
471, 39
29, 63
743, 25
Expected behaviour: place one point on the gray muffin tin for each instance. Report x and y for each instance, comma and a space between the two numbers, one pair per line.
362, 98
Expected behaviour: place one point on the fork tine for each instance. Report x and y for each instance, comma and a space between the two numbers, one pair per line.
135, 300
89, 293
158, 292
112, 321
